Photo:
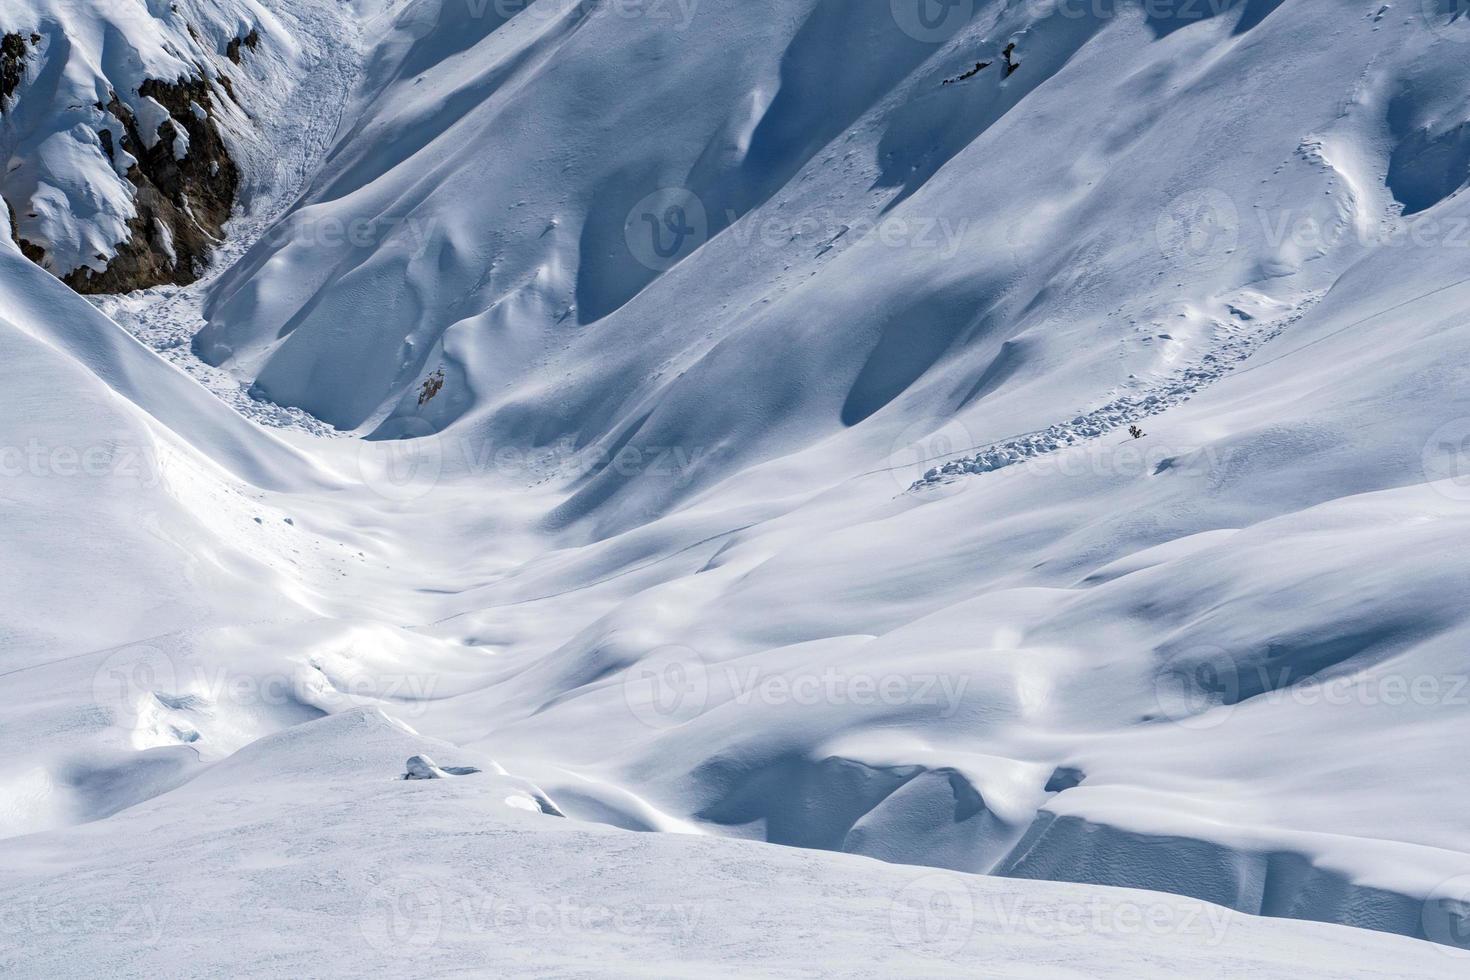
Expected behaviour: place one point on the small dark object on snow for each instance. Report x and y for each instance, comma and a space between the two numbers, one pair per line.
433, 384
979, 67
251, 41
1011, 63
1136, 432
1064, 778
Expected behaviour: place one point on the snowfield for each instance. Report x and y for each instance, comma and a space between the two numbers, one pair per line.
773, 585
299, 855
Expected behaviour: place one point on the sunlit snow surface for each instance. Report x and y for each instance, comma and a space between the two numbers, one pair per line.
780, 489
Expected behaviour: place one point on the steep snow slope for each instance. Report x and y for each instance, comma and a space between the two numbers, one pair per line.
713, 288
127, 493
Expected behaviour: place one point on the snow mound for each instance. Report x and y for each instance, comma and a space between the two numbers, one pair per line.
300, 847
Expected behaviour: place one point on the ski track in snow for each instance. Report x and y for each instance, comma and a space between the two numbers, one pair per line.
166, 318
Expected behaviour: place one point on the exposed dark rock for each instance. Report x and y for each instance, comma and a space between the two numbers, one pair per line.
1011, 63
12, 66
1065, 778
979, 67
251, 41
182, 204
431, 387
31, 250
10, 211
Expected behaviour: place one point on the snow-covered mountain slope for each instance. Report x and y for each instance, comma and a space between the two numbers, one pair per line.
355, 871
779, 484
127, 494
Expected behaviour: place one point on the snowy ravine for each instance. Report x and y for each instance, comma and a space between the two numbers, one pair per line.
287, 147
691, 440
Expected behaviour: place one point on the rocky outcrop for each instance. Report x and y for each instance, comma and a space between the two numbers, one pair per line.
12, 66
10, 214
1010, 55
250, 41
422, 767
183, 199
27, 249
162, 137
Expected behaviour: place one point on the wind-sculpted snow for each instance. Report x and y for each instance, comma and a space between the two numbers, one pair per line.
730, 440
354, 872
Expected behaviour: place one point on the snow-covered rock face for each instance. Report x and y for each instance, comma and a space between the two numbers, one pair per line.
122, 123
422, 767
